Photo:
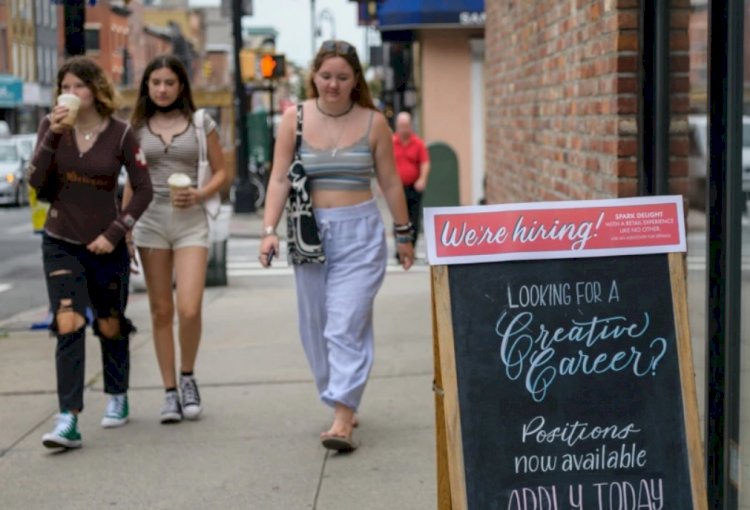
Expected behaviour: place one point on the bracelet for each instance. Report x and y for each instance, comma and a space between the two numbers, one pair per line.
403, 239
402, 229
268, 230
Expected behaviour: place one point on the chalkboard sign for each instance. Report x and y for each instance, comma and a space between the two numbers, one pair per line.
568, 384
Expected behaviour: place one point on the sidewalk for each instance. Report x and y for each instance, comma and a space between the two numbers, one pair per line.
257, 445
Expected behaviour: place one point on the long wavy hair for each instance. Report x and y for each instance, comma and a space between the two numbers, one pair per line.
89, 72
145, 107
336, 48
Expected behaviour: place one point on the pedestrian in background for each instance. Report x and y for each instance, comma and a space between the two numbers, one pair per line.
172, 236
413, 164
343, 139
84, 241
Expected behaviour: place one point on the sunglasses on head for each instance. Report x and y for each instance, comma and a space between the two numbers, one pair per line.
338, 47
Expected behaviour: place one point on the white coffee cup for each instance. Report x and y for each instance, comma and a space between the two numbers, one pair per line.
72, 102
177, 182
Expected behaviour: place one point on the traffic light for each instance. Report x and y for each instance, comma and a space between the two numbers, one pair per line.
272, 66
247, 64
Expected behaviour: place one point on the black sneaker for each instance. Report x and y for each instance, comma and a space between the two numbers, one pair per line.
191, 398
171, 412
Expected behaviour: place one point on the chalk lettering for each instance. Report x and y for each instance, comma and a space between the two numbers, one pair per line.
624, 495
572, 433
533, 353
537, 498
550, 294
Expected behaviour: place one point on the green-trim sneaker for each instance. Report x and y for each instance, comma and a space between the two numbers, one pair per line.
66, 433
117, 411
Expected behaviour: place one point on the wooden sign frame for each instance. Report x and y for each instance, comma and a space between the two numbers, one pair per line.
450, 453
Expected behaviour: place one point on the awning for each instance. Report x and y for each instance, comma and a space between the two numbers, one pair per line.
414, 14
11, 91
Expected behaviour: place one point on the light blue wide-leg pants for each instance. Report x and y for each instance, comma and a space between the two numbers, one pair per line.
335, 301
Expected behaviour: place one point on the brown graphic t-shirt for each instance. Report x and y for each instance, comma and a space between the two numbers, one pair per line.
86, 205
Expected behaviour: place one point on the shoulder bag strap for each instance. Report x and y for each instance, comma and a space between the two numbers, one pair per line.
298, 141
201, 132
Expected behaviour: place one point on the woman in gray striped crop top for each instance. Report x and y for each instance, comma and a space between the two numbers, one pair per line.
345, 143
172, 235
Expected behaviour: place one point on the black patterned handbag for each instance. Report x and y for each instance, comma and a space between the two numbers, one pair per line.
303, 240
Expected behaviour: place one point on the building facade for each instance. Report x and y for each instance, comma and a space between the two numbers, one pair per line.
433, 55
562, 100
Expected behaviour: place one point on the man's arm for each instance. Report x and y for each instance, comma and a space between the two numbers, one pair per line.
424, 169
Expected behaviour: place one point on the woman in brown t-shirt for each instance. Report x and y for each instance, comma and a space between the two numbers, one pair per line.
84, 248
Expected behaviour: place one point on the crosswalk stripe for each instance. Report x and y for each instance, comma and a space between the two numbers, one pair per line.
5, 286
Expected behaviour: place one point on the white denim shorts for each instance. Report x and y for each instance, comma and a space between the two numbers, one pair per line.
166, 227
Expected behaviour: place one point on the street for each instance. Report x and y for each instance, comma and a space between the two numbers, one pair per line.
21, 278
22, 284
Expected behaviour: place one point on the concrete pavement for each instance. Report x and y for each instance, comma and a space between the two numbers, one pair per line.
256, 446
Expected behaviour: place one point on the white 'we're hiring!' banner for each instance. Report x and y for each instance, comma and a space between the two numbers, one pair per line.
549, 230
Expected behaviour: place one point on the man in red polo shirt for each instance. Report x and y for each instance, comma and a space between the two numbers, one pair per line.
413, 164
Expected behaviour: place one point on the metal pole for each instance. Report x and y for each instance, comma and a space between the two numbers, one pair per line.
313, 29
724, 238
653, 114
270, 122
243, 201
74, 12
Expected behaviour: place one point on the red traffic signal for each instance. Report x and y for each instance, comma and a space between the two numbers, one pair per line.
272, 66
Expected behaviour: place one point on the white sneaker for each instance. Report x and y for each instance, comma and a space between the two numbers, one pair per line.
191, 398
117, 411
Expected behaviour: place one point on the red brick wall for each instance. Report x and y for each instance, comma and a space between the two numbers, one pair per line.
562, 97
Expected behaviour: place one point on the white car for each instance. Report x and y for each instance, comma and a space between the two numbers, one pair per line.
698, 159
25, 144
13, 188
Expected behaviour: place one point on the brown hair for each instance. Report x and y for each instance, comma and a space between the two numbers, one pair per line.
89, 72
145, 107
333, 48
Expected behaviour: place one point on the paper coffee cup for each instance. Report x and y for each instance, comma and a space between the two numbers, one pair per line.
177, 182
72, 102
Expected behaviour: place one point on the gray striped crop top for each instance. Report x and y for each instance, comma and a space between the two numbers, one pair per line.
349, 168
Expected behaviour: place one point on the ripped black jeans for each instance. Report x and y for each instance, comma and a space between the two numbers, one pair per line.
77, 279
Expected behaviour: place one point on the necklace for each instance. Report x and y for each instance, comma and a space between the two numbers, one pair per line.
335, 141
333, 115
91, 132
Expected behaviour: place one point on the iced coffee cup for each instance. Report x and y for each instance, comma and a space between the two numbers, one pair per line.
72, 102
177, 182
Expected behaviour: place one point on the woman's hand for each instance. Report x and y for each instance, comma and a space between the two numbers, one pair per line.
405, 254
100, 246
187, 197
267, 244
134, 266
58, 114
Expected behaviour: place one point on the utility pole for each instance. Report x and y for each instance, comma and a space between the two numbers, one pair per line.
313, 30
243, 195
74, 12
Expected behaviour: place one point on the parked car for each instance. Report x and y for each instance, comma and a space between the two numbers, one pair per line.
13, 188
26, 144
698, 160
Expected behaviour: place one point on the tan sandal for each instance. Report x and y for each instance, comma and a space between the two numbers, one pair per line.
340, 444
